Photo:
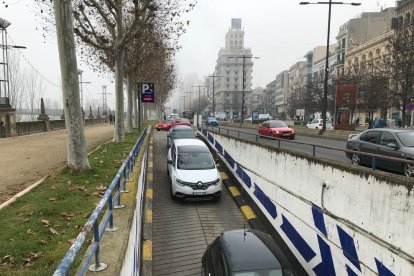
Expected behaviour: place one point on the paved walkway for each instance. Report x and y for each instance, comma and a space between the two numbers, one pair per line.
26, 159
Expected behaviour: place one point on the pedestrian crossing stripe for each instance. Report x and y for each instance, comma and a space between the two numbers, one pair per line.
247, 212
147, 250
234, 191
224, 176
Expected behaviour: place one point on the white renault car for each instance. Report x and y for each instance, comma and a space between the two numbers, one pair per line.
193, 171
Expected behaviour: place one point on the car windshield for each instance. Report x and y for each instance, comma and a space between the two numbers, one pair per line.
262, 272
406, 138
277, 124
194, 158
182, 134
212, 119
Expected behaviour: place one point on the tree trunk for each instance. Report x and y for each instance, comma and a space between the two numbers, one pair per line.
130, 95
76, 145
119, 134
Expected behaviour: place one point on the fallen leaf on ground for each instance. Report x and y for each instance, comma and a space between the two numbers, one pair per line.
87, 215
82, 188
52, 199
45, 222
67, 215
71, 241
53, 231
44, 242
101, 188
30, 232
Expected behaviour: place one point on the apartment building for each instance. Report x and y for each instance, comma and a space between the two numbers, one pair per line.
234, 73
357, 31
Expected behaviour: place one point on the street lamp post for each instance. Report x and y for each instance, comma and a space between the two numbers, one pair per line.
214, 97
243, 81
325, 81
184, 102
199, 95
190, 99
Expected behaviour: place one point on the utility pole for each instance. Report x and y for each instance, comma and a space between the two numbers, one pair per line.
80, 72
104, 100
325, 82
199, 95
243, 81
184, 102
190, 99
214, 96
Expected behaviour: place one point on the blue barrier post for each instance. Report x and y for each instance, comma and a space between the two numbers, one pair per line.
111, 227
98, 266
118, 201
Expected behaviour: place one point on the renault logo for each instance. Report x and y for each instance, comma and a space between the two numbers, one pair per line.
199, 184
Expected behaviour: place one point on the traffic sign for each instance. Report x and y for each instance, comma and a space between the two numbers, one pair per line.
409, 107
147, 92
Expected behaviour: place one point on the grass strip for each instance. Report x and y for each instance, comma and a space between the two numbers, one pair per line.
39, 227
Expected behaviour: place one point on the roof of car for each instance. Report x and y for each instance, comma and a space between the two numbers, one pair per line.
189, 142
249, 249
395, 130
181, 127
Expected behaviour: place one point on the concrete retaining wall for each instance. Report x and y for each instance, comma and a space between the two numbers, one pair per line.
336, 219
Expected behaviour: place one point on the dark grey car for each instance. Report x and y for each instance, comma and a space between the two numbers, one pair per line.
398, 143
245, 252
179, 132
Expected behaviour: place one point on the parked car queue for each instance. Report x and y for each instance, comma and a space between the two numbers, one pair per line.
193, 175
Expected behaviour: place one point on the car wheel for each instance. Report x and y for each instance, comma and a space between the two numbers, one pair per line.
356, 159
409, 170
157, 129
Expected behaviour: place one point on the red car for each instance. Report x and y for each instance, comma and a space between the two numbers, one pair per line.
278, 129
172, 122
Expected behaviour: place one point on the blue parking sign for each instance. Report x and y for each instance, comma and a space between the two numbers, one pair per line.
147, 92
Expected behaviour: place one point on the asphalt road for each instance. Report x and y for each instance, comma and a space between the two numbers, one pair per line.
250, 134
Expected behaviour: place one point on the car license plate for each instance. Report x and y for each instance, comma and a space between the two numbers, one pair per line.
199, 192
286, 134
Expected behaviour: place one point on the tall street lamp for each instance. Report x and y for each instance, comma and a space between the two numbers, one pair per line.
325, 81
190, 99
214, 96
80, 72
4, 64
199, 92
243, 81
184, 102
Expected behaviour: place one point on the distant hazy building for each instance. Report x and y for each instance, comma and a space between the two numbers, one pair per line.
228, 86
281, 95
360, 30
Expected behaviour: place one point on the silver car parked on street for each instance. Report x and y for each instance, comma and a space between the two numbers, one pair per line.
397, 143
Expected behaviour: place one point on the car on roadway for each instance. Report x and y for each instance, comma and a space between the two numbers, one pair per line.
277, 129
398, 143
192, 170
180, 132
211, 121
245, 252
172, 122
317, 124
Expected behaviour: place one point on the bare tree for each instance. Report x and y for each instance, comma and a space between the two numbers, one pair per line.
16, 79
399, 66
34, 91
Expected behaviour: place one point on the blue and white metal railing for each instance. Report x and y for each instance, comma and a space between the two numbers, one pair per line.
93, 222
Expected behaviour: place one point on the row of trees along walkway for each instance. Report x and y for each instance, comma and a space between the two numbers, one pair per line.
124, 37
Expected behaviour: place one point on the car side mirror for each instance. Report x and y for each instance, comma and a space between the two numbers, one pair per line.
169, 162
392, 145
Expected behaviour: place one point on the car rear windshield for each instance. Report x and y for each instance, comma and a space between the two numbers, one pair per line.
277, 124
182, 134
193, 158
264, 272
406, 138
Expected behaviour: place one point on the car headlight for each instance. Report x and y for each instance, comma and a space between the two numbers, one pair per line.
276, 132
293, 131
215, 182
179, 181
